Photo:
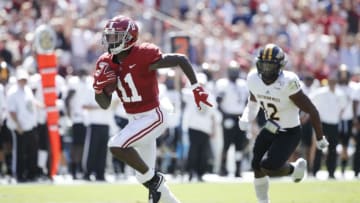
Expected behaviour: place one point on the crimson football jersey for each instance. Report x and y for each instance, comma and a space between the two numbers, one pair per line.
137, 85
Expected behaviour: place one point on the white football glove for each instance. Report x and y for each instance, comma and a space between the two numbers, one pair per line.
322, 144
243, 125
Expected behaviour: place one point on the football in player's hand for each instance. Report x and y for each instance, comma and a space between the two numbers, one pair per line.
110, 88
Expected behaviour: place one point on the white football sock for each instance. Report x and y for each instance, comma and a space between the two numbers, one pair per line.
166, 195
142, 178
262, 189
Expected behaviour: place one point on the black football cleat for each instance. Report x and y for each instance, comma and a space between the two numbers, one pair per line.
154, 197
153, 185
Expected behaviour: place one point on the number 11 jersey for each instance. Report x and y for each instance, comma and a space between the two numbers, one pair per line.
137, 85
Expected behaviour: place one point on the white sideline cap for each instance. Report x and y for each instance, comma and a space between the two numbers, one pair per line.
22, 74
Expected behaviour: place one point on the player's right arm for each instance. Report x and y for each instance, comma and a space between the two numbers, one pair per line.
103, 77
103, 100
250, 112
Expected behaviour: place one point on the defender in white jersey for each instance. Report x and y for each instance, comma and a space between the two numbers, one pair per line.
279, 94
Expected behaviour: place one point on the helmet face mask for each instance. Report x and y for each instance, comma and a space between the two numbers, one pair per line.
270, 62
268, 70
120, 34
116, 40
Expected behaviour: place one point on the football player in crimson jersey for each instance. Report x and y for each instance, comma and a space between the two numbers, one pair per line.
133, 66
279, 94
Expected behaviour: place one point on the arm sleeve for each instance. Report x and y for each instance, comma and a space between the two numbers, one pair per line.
250, 112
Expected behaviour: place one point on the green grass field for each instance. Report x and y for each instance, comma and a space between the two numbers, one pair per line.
280, 192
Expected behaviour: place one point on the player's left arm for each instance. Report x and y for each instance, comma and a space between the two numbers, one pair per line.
304, 103
173, 60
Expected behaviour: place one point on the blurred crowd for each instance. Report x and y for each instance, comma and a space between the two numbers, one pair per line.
320, 37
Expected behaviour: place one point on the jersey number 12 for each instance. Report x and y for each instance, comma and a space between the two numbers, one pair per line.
270, 111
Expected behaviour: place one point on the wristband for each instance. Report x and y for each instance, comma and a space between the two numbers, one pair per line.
195, 85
